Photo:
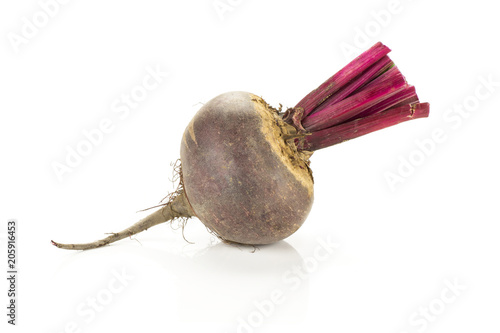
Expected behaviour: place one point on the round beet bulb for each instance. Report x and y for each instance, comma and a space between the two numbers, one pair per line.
241, 178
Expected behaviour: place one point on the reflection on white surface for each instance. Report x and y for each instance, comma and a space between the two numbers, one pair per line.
247, 284
231, 284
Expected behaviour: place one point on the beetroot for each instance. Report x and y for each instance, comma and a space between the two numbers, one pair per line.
245, 165
242, 179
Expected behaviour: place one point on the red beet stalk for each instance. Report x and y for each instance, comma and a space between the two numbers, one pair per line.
361, 126
342, 78
376, 69
403, 97
346, 109
367, 95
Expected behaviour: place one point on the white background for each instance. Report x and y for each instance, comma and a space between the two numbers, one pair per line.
399, 248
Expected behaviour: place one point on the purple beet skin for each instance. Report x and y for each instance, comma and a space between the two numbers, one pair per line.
242, 179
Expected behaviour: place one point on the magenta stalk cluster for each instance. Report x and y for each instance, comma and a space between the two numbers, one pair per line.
367, 95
